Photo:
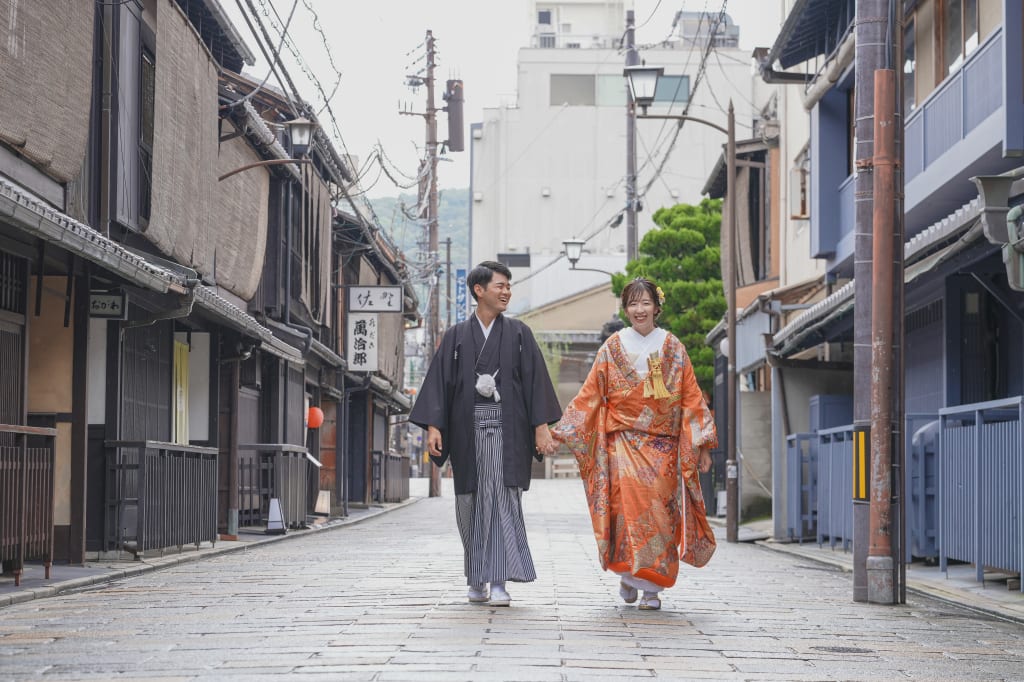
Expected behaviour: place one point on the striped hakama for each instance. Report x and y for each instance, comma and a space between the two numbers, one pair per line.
490, 520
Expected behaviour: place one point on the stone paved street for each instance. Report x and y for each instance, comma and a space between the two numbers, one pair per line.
384, 600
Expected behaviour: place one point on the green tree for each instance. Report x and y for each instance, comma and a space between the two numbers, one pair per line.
681, 255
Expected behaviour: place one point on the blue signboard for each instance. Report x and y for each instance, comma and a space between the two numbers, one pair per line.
460, 295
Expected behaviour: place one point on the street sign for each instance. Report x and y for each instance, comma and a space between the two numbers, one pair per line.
460, 295
362, 342
111, 305
377, 299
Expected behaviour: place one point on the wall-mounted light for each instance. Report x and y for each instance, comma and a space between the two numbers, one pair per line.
300, 132
545, 191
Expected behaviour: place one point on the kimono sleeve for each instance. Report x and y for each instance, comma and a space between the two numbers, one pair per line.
582, 419
433, 402
696, 413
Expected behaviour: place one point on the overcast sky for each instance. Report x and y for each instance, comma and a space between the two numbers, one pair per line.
375, 44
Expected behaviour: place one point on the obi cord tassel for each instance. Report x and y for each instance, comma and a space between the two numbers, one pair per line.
655, 384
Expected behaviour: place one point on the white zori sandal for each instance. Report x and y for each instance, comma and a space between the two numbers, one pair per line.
649, 602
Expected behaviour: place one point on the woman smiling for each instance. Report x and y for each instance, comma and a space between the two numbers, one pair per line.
640, 430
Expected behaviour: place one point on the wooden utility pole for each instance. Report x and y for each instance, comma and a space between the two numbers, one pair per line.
433, 314
448, 281
632, 59
878, 294
428, 191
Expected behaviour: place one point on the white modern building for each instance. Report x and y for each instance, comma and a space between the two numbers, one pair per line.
552, 165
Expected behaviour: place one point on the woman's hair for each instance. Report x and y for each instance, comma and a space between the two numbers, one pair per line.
637, 288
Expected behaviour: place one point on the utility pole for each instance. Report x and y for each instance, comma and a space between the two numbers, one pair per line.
878, 308
732, 482
428, 213
448, 281
454, 96
632, 59
433, 316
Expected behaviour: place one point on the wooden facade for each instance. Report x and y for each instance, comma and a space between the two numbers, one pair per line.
164, 332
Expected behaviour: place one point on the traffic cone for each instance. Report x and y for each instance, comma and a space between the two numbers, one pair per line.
275, 520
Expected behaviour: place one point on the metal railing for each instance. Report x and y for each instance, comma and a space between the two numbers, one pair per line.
26, 496
268, 471
981, 477
921, 490
160, 495
835, 486
390, 477
801, 486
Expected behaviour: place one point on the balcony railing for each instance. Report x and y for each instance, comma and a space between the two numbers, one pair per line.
981, 478
160, 495
26, 496
390, 477
955, 108
268, 471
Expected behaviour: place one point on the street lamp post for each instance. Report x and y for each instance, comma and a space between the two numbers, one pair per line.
574, 251
300, 135
643, 82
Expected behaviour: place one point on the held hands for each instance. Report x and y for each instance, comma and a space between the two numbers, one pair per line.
704, 461
546, 445
434, 441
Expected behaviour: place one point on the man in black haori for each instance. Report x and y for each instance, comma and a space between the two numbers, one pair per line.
486, 404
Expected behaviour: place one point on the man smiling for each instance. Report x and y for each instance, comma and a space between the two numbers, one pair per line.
486, 402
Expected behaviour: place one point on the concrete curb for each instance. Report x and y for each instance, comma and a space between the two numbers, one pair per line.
953, 597
160, 563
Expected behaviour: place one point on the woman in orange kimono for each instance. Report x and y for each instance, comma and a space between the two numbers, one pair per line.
640, 430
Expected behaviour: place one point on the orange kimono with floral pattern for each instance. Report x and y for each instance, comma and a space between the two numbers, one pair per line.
637, 456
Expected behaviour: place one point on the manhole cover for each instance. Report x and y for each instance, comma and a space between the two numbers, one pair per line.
843, 649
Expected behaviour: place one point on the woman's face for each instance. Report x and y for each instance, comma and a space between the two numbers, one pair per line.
642, 313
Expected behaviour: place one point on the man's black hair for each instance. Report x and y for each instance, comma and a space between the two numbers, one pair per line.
483, 273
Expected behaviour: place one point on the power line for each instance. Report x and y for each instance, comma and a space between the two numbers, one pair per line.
701, 70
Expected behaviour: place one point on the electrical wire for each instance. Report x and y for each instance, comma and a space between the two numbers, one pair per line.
252, 93
651, 16
701, 70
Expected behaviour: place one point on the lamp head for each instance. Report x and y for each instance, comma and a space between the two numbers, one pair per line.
300, 132
643, 81
573, 249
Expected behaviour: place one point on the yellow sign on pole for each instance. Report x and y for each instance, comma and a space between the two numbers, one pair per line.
861, 463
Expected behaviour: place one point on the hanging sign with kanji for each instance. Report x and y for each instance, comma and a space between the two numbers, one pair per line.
363, 334
375, 299
112, 305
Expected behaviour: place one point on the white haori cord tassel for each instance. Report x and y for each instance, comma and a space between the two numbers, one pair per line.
487, 387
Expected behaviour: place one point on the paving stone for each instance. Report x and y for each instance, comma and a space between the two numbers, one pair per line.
338, 605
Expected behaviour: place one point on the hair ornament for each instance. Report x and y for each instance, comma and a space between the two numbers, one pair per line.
661, 296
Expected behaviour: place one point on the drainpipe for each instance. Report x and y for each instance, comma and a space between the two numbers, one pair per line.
880, 563
287, 294
245, 352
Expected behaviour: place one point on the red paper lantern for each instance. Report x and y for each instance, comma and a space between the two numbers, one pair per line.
315, 417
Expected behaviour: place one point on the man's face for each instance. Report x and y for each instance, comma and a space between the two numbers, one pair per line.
497, 294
